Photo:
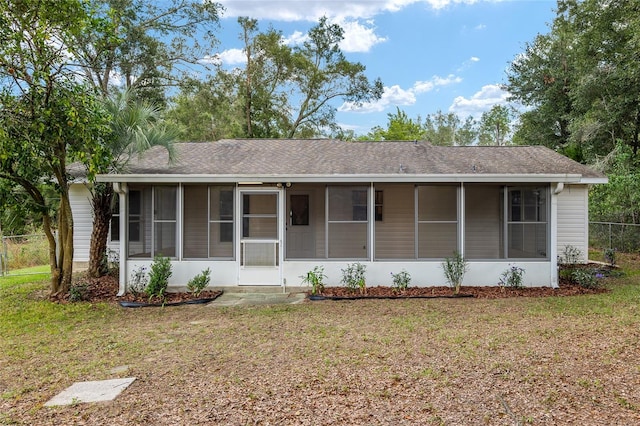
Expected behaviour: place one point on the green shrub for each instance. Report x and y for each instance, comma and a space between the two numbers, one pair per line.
454, 269
199, 282
78, 292
585, 278
353, 277
159, 277
512, 277
315, 278
401, 280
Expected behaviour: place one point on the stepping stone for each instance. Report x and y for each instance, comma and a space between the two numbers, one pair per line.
96, 391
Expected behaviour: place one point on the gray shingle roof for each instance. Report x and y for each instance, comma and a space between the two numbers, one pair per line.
287, 157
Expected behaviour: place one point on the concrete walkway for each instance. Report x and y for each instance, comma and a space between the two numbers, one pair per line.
248, 299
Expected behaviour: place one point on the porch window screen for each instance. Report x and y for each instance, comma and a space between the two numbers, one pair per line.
484, 221
437, 221
139, 223
348, 208
152, 221
221, 202
527, 222
164, 220
208, 222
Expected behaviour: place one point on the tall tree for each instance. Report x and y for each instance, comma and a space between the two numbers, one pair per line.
46, 117
322, 74
495, 126
135, 127
540, 79
399, 128
448, 129
144, 45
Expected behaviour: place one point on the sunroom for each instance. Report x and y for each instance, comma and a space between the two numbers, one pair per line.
264, 212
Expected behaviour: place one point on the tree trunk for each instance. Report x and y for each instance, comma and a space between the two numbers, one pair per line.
64, 266
101, 203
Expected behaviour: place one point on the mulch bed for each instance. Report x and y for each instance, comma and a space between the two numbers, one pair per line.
488, 292
105, 289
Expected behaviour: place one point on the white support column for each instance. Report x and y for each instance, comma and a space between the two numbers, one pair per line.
372, 222
179, 221
553, 234
461, 220
122, 190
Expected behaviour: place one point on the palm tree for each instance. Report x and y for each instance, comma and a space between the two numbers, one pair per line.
135, 127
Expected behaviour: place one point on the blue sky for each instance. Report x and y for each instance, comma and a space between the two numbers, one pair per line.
431, 55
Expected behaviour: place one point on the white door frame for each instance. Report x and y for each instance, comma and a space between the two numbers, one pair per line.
260, 275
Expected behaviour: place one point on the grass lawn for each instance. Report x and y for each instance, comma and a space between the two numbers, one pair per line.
544, 361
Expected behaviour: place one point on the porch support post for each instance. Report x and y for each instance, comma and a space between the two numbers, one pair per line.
372, 222
461, 219
122, 190
553, 234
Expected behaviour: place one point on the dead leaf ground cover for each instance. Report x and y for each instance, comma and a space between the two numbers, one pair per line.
548, 361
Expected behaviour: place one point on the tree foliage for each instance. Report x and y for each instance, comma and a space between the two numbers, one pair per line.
282, 91
47, 118
144, 45
581, 81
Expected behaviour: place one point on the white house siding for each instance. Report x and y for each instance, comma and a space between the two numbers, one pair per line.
573, 219
80, 197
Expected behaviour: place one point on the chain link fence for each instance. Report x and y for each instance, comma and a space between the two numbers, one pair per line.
23, 251
623, 237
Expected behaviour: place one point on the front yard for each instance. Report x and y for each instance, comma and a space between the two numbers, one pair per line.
552, 360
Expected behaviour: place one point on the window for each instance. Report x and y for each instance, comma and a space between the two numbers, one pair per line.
347, 222
378, 206
221, 222
115, 219
359, 199
164, 220
135, 210
527, 222
437, 221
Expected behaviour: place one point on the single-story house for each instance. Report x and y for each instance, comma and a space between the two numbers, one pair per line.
264, 212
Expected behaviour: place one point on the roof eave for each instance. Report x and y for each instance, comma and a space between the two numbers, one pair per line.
335, 178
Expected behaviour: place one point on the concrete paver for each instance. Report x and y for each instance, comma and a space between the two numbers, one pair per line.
93, 391
245, 299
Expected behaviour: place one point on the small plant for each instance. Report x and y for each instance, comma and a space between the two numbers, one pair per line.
353, 277
401, 280
78, 292
159, 277
610, 256
139, 280
454, 269
199, 282
512, 277
315, 278
585, 278
570, 255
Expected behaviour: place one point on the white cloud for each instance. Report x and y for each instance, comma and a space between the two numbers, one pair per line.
226, 57
359, 37
474, 59
397, 96
436, 81
480, 27
312, 10
297, 37
392, 96
487, 97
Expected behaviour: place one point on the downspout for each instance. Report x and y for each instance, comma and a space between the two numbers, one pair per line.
122, 190
554, 234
